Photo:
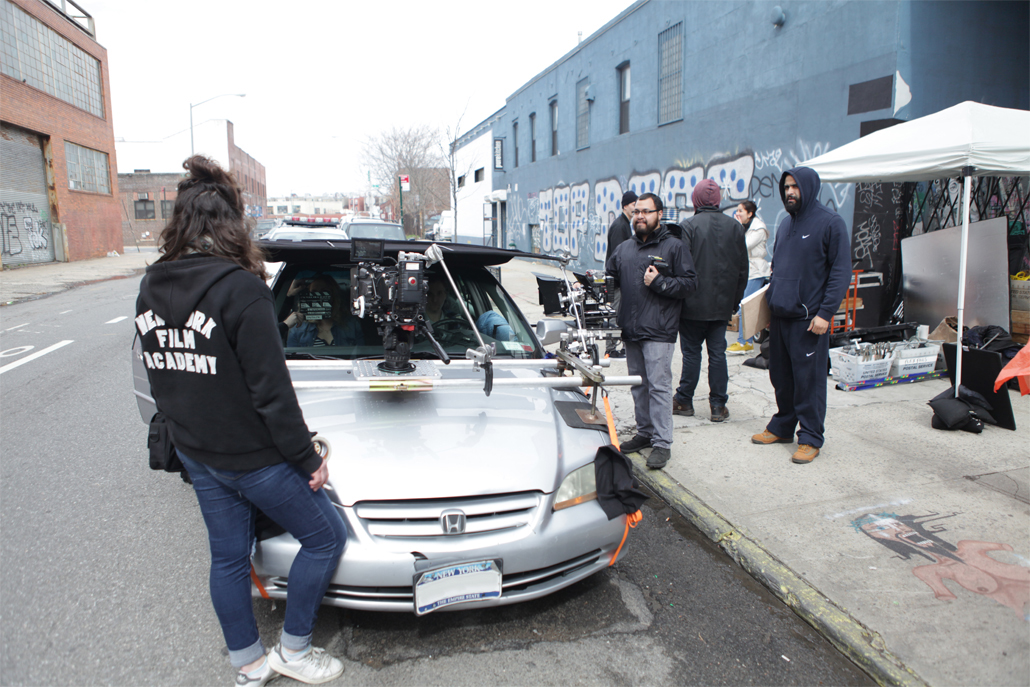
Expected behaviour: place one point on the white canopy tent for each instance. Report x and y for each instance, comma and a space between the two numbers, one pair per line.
968, 139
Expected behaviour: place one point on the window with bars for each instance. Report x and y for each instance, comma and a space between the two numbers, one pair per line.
32, 52
554, 127
582, 114
87, 169
670, 74
623, 75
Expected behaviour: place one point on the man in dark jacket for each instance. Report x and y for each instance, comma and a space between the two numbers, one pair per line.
719, 250
655, 272
617, 233
811, 272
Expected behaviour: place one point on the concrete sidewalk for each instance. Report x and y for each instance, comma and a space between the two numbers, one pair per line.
38, 281
881, 542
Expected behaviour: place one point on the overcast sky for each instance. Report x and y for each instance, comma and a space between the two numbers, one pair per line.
320, 77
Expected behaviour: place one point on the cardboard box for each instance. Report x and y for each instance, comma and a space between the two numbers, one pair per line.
1020, 322
734, 323
1019, 294
756, 312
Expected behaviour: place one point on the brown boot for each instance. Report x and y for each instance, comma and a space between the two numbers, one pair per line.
767, 437
804, 454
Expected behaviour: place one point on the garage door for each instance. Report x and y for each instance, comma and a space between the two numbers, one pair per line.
24, 204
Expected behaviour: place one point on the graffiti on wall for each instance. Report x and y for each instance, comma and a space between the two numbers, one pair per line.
571, 217
965, 565
25, 230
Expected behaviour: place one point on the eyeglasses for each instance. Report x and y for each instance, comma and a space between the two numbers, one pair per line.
643, 212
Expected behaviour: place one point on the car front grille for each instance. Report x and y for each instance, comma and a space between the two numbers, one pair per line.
393, 598
421, 519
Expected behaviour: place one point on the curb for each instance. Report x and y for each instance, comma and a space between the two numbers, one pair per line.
863, 646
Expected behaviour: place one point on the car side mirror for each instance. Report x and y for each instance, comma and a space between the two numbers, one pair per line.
549, 331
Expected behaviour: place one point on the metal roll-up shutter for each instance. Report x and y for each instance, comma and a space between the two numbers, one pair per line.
24, 204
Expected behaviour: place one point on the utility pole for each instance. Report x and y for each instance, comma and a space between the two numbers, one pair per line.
400, 193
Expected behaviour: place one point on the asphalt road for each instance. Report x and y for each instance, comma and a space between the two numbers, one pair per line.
103, 563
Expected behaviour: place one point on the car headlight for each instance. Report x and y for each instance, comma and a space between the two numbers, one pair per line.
578, 487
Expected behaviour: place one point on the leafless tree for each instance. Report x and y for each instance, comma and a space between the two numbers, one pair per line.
414, 151
455, 169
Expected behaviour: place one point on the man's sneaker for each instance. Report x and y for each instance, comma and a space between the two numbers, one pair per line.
620, 353
804, 454
683, 408
635, 444
659, 458
256, 678
767, 437
313, 667
737, 348
720, 413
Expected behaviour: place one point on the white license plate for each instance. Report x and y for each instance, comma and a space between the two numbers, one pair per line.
457, 584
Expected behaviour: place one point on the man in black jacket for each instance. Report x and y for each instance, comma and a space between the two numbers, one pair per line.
617, 233
719, 250
655, 272
811, 272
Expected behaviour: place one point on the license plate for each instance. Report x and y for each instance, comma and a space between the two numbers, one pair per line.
457, 584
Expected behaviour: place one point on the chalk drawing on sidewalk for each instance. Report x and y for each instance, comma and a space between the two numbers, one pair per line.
965, 564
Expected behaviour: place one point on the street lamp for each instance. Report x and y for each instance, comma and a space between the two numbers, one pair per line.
237, 95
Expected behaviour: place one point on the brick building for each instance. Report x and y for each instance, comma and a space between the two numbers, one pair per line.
148, 200
58, 172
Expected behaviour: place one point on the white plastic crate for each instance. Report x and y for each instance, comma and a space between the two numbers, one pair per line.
915, 361
852, 369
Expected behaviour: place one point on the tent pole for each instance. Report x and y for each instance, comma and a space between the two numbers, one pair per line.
967, 173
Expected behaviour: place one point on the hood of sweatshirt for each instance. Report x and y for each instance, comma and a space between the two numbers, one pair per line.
808, 181
173, 289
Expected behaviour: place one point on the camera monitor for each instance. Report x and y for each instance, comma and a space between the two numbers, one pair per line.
367, 250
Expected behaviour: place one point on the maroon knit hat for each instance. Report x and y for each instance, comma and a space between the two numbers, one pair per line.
706, 194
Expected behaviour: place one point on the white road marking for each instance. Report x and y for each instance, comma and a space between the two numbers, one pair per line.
117, 319
37, 354
15, 351
17, 326
64, 312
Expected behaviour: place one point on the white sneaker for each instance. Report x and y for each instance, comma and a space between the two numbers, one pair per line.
264, 674
314, 667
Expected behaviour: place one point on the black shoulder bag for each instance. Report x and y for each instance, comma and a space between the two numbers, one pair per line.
162, 451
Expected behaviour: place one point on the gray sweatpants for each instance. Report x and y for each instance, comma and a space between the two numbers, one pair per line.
652, 400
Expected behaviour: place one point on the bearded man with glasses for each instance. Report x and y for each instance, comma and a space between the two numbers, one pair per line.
655, 272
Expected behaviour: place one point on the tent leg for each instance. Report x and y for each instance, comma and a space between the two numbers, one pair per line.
967, 173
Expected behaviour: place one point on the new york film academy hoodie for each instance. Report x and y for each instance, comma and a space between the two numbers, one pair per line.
215, 361
811, 265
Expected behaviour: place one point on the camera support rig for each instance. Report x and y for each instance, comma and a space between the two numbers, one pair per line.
589, 302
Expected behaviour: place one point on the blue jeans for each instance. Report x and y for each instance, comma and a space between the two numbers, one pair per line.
229, 500
752, 286
694, 333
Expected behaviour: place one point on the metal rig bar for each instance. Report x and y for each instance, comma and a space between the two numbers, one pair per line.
416, 384
500, 364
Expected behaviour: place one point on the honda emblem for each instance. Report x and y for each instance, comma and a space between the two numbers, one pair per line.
452, 522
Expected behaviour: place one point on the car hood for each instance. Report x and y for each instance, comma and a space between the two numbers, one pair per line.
445, 443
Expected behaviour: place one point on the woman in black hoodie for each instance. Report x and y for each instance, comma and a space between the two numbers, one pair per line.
215, 363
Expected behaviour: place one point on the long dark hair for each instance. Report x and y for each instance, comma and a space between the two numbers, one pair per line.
750, 208
905, 551
209, 219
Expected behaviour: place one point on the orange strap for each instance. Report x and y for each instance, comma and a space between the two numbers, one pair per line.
633, 518
257, 583
611, 423
631, 521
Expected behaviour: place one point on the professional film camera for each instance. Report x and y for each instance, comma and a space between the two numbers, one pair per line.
394, 296
589, 301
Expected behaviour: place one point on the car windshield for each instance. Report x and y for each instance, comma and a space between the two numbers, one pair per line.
306, 235
326, 326
390, 232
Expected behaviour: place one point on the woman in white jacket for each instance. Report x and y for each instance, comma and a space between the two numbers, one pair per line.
758, 267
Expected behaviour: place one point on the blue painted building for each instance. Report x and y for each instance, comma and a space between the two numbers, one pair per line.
668, 93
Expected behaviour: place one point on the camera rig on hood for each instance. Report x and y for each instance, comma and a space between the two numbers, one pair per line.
394, 296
